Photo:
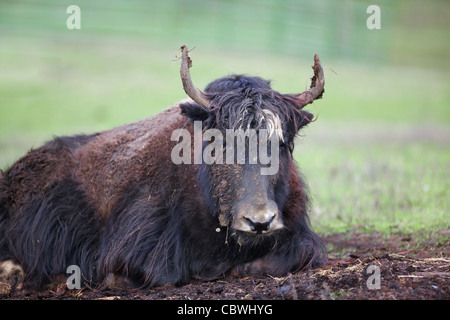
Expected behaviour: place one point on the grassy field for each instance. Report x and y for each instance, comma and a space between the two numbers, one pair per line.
376, 159
378, 186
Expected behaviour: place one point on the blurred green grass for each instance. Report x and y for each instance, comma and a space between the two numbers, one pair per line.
377, 158
378, 186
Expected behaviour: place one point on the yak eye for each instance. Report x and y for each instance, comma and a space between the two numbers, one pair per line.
286, 145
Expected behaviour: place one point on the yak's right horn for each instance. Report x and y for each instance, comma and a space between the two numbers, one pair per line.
194, 93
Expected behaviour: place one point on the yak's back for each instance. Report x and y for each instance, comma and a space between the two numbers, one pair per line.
125, 155
103, 164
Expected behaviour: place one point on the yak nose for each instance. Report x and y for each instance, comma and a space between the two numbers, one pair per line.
259, 226
258, 218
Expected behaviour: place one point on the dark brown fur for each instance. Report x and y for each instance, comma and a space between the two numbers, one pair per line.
114, 202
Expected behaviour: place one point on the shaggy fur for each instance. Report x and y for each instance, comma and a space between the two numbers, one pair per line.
114, 202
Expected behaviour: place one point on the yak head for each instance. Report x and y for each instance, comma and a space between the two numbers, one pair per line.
248, 130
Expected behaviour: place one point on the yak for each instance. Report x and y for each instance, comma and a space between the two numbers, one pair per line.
115, 202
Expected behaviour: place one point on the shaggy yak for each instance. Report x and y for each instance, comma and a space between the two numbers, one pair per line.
132, 202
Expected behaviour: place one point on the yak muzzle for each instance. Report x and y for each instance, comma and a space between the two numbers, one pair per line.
258, 219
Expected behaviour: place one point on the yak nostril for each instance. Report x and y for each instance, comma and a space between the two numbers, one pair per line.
257, 226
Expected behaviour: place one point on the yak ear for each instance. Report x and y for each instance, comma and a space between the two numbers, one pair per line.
304, 118
194, 111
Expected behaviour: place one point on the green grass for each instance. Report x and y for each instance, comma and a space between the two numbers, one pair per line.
376, 159
377, 186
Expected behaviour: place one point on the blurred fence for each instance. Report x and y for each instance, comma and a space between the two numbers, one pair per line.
287, 27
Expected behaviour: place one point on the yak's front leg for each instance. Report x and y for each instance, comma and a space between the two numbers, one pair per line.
259, 266
290, 257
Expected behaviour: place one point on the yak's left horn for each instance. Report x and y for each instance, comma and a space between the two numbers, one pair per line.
194, 93
317, 85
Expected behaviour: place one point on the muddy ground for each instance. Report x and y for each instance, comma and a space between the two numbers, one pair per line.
407, 270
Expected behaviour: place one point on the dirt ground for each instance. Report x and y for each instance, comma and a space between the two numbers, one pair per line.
360, 266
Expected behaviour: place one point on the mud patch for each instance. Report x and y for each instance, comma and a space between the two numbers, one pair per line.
361, 267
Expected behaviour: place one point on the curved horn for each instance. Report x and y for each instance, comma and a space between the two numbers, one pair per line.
317, 85
194, 93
